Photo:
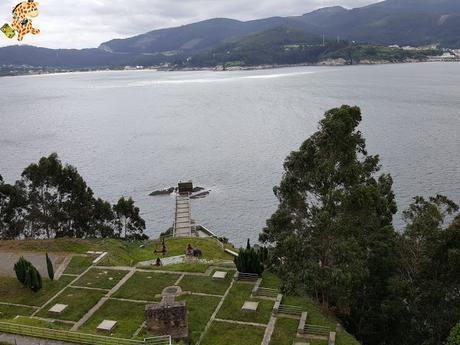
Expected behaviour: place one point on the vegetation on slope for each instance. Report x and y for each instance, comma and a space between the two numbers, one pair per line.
332, 238
284, 46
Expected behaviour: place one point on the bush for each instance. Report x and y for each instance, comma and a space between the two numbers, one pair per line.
248, 261
454, 338
20, 268
28, 275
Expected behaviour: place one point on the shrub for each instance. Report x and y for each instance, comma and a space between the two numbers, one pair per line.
248, 261
28, 275
20, 268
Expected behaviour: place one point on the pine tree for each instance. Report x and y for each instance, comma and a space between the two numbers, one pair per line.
49, 266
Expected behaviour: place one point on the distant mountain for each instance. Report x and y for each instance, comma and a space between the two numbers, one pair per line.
402, 22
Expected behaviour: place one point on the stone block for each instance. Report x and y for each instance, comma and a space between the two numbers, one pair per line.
250, 306
58, 308
107, 326
219, 275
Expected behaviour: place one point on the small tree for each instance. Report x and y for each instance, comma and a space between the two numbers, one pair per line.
454, 338
49, 266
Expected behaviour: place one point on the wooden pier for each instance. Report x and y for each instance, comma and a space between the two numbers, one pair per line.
183, 224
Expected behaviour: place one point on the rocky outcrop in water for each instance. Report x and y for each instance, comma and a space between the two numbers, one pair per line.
198, 192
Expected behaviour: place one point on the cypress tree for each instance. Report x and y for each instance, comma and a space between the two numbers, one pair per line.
20, 268
49, 266
33, 279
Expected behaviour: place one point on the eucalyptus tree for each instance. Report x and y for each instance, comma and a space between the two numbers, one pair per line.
41, 182
332, 234
13, 206
128, 222
430, 266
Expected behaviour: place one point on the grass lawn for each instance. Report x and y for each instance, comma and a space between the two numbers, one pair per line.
100, 278
200, 309
182, 267
206, 284
11, 291
221, 333
211, 248
78, 264
41, 323
129, 316
9, 312
145, 285
240, 293
270, 281
121, 253
285, 331
318, 317
79, 302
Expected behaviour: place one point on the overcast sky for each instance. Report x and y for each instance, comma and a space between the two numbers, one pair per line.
87, 23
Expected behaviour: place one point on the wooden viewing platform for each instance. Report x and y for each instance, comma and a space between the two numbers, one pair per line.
183, 223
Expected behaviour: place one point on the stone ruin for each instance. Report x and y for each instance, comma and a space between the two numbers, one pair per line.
169, 317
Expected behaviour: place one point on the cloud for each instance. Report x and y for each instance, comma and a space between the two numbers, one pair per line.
87, 23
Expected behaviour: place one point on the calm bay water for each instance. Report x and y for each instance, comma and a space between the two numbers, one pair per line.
130, 133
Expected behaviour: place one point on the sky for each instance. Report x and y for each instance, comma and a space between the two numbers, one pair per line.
87, 23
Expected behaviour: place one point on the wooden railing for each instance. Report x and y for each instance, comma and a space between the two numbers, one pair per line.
78, 338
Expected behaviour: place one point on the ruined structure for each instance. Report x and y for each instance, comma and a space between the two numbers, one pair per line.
169, 317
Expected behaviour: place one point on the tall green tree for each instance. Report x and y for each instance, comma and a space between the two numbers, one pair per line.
13, 204
430, 266
332, 234
129, 223
41, 183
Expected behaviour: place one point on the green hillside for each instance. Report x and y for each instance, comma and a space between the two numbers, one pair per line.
284, 46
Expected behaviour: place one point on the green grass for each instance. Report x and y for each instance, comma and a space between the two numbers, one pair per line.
145, 285
344, 338
317, 316
100, 278
211, 248
221, 333
200, 309
206, 284
182, 267
11, 291
121, 253
129, 316
285, 331
22, 320
79, 302
9, 312
78, 264
270, 281
240, 293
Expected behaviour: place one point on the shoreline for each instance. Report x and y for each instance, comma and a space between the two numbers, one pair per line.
220, 69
